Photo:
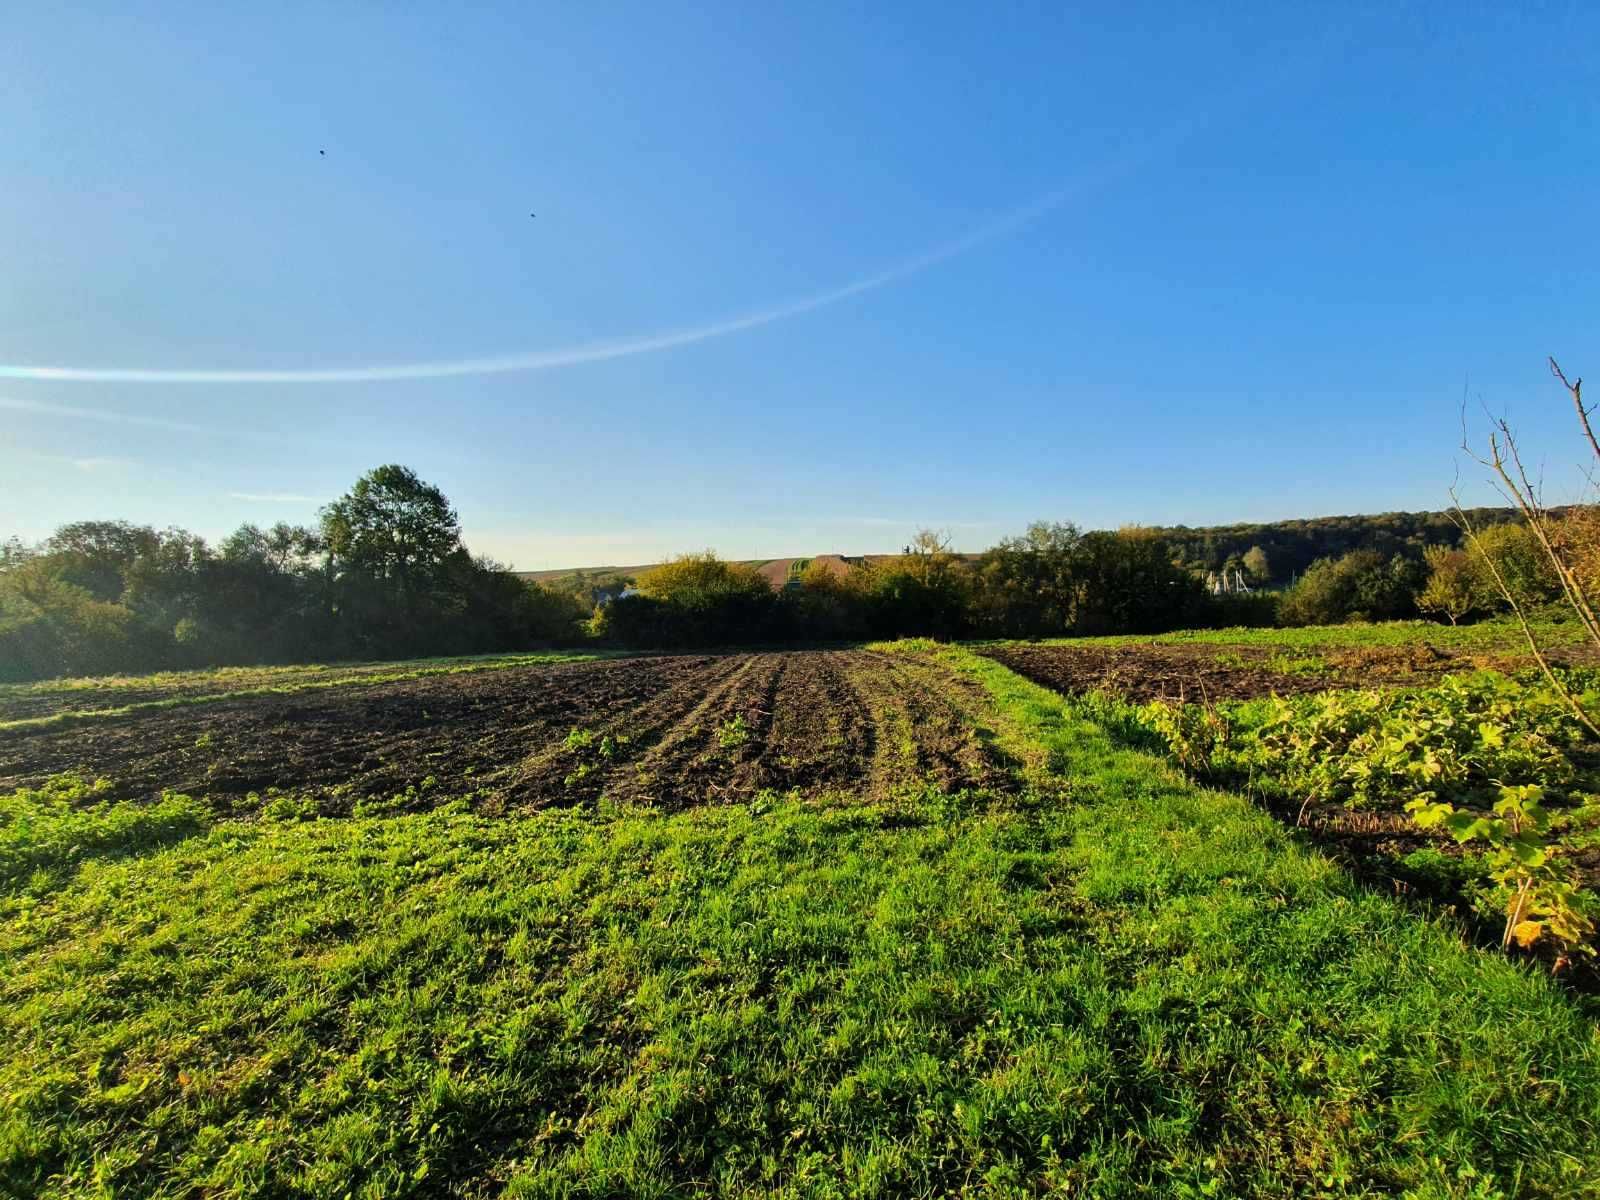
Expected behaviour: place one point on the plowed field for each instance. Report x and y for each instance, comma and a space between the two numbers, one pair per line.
668, 731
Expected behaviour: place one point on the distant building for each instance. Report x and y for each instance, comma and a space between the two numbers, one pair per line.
1228, 583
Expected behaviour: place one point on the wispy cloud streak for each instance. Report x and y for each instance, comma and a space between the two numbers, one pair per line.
277, 497
603, 351
111, 416
106, 415
87, 463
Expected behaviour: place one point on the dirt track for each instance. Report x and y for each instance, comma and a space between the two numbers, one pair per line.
668, 731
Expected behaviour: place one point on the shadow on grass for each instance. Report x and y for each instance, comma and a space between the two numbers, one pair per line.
1391, 857
47, 834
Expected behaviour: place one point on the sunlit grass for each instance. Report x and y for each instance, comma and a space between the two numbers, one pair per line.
1113, 983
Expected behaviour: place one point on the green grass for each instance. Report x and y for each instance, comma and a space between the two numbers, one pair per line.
172, 689
1502, 635
1115, 984
46, 832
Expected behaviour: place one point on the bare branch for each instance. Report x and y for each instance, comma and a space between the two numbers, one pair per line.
1504, 458
1575, 390
1459, 515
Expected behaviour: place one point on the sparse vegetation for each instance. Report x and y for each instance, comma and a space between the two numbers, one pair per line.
733, 734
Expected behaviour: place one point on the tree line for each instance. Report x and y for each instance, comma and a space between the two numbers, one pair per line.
1289, 548
384, 574
1056, 580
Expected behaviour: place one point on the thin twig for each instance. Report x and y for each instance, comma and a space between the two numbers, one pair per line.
1575, 390
1460, 517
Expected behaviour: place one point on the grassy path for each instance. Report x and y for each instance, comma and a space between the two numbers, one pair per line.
1109, 983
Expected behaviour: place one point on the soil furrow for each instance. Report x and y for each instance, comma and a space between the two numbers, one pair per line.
668, 731
587, 760
822, 736
712, 755
375, 741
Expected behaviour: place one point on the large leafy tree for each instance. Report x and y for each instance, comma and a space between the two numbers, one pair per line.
1127, 582
1256, 562
96, 555
394, 556
394, 527
1028, 585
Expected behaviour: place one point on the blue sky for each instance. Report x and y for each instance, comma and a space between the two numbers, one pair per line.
1136, 263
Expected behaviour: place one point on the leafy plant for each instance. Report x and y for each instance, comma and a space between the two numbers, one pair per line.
1484, 758
45, 833
592, 749
604, 745
1540, 897
733, 734
1459, 741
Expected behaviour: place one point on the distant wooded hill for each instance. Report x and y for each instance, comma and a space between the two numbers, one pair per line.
1292, 546
1289, 546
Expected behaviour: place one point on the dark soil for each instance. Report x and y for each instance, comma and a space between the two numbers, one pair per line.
1152, 671
670, 731
1205, 673
816, 721
28, 701
461, 730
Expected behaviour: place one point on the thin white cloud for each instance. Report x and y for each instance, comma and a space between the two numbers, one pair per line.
537, 360
109, 416
103, 462
602, 351
277, 497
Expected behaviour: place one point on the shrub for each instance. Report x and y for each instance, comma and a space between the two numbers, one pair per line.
49, 626
1522, 562
1360, 586
1457, 584
694, 600
828, 605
